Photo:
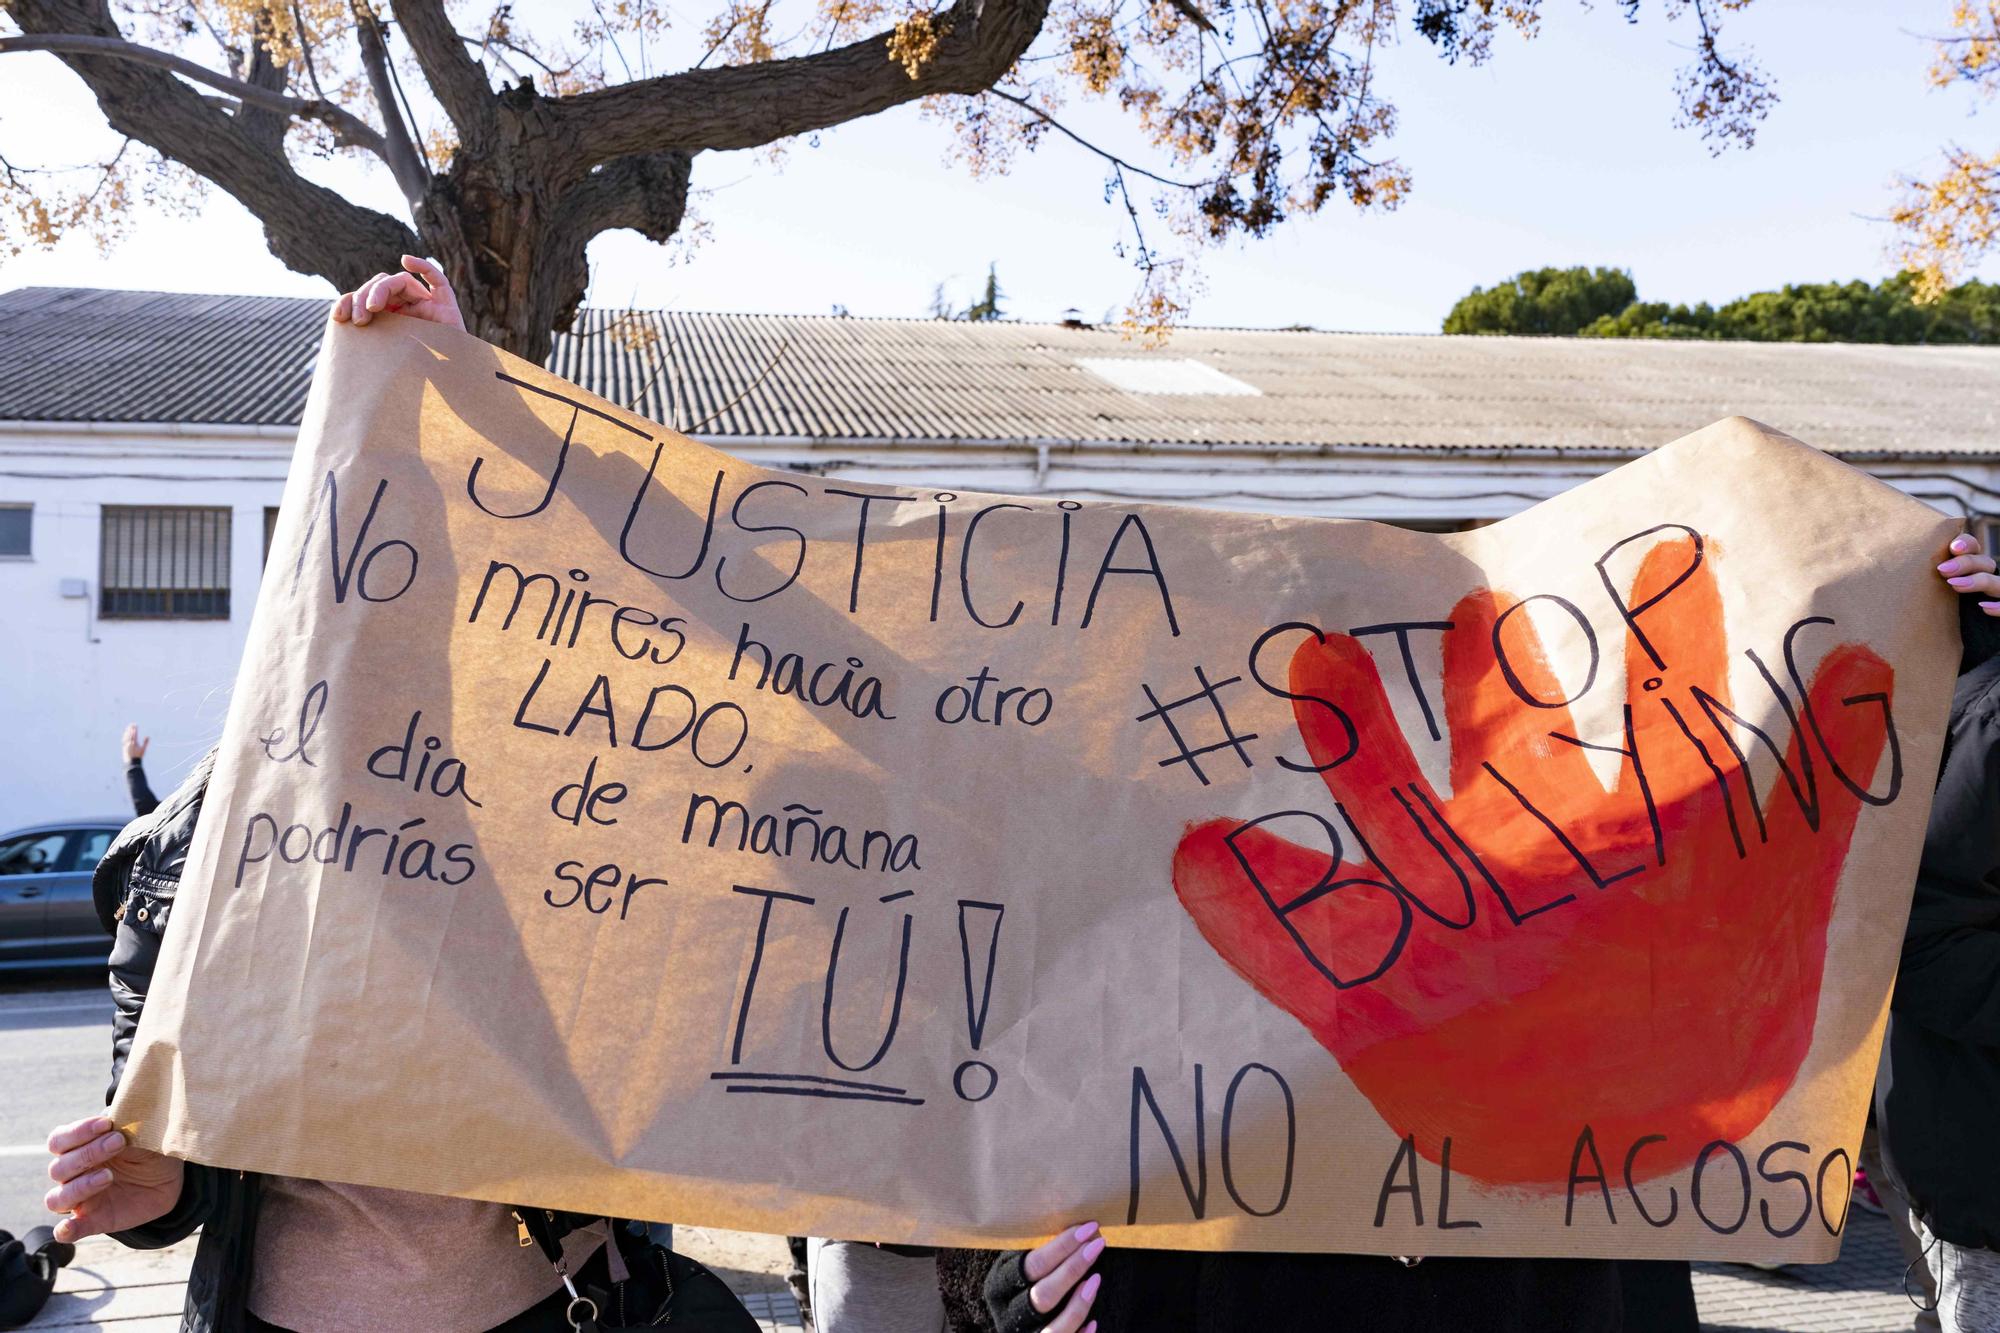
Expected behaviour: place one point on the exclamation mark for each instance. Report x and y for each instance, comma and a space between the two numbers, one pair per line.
979, 949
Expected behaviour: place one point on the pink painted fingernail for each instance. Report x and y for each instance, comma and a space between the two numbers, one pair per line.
1094, 1249
1086, 1231
1989, 606
1947, 566
1961, 581
1090, 1286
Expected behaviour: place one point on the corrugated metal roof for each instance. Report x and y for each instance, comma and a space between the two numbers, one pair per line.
78, 354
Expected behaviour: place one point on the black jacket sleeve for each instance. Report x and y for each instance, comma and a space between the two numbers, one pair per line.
143, 800
135, 948
140, 924
1950, 978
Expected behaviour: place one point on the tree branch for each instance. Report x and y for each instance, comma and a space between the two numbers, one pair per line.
486, 43
305, 48
1111, 157
309, 227
347, 128
745, 106
400, 151
456, 79
647, 193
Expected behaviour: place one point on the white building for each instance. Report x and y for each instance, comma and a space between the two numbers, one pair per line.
144, 439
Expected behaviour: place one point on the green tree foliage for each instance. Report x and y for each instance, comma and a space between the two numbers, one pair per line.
1858, 312
1845, 312
1543, 300
988, 305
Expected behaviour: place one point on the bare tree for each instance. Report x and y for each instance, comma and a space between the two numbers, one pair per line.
1241, 113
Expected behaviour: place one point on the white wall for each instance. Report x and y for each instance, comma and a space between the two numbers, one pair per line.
69, 681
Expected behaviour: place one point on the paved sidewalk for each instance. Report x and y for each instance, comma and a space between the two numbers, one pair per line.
128, 1291
1861, 1293
110, 1287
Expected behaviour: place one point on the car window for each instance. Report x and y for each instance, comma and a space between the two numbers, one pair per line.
90, 846
32, 853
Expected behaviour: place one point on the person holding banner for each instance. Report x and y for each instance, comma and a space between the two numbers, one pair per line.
306, 1254
1937, 1095
1938, 1089
280, 1254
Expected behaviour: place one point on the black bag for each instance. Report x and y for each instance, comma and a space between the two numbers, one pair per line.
28, 1273
659, 1287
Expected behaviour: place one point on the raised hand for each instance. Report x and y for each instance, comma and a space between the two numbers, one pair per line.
135, 746
1535, 951
106, 1184
421, 291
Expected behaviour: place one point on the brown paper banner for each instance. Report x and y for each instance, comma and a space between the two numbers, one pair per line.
606, 824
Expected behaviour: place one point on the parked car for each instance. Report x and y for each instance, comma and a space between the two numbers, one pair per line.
46, 916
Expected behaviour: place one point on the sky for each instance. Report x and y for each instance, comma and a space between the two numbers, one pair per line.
1558, 151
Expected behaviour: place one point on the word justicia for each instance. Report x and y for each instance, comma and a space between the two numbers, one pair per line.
1090, 555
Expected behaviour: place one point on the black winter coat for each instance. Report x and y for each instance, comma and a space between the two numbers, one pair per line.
134, 889
1937, 1093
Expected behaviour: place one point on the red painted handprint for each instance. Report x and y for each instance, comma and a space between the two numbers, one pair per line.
1535, 952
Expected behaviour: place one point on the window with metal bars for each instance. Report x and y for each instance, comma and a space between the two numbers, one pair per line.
164, 562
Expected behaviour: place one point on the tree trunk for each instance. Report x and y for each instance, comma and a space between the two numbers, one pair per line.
511, 218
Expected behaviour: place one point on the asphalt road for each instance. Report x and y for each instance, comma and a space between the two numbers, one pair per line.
55, 1056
